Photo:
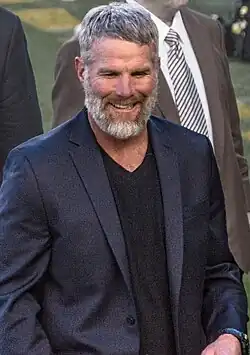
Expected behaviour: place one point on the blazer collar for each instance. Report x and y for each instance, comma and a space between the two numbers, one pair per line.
88, 161
168, 168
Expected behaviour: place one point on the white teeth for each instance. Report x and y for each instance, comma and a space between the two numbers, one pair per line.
124, 107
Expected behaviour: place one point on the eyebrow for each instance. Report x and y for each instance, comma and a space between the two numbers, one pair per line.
145, 70
108, 71
141, 71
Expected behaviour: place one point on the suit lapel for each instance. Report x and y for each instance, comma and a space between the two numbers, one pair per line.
165, 103
168, 168
206, 57
89, 163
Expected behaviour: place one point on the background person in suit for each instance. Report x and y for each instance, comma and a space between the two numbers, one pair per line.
240, 26
114, 238
202, 42
20, 117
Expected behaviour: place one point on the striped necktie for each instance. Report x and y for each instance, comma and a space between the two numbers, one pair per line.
187, 99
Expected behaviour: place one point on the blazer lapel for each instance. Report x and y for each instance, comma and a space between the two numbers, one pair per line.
165, 103
167, 164
89, 164
205, 54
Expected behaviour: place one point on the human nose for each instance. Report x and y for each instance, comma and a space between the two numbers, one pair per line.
124, 87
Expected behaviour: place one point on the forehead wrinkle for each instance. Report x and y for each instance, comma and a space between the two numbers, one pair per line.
109, 58
118, 48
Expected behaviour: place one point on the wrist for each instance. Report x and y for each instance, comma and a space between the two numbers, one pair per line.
236, 337
230, 338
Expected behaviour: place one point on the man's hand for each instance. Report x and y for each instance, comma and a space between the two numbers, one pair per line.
225, 344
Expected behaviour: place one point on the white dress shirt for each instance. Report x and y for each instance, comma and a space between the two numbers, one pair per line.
179, 27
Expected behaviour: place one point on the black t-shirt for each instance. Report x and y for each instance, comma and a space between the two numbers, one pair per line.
139, 203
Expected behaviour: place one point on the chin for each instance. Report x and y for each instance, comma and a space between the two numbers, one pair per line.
124, 130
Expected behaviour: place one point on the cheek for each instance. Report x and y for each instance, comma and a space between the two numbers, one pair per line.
146, 86
102, 87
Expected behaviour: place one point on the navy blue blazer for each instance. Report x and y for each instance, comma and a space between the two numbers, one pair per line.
64, 280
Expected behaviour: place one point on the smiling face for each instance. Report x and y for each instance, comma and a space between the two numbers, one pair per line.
120, 85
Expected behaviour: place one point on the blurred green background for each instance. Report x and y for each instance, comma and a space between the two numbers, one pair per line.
48, 23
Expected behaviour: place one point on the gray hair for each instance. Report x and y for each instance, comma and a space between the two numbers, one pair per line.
123, 21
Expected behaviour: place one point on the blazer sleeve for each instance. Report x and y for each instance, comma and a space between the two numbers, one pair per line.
234, 121
67, 92
24, 257
225, 300
20, 116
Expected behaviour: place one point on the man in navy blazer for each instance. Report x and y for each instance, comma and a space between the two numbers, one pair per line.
113, 236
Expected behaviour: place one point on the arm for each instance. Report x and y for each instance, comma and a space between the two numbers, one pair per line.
234, 121
67, 92
20, 116
225, 302
24, 258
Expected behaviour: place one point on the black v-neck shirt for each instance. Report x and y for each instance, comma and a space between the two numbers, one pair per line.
139, 203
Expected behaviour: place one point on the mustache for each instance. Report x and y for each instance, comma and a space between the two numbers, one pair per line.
123, 102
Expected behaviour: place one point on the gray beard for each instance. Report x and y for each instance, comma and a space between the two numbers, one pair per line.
119, 130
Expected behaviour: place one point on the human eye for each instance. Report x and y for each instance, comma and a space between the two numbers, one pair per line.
109, 74
140, 73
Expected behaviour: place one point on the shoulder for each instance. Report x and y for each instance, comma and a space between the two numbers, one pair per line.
11, 32
205, 26
11, 37
70, 48
8, 20
183, 141
45, 156
205, 19
201, 19
42, 148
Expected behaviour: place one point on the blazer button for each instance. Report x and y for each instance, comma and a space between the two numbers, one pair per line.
131, 320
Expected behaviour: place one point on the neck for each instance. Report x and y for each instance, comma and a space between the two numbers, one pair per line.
167, 14
164, 11
128, 153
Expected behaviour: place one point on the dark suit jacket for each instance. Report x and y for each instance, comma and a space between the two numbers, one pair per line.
64, 281
20, 117
68, 99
